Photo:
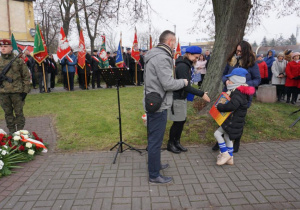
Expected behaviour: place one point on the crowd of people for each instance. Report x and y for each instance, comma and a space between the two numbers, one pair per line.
44, 75
282, 71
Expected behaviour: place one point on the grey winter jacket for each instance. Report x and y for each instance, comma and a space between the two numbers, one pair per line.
158, 75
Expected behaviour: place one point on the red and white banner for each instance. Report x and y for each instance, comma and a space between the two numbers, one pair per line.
82, 51
35, 142
135, 53
63, 48
178, 51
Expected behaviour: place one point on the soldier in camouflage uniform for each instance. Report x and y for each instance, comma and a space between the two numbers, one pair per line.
12, 95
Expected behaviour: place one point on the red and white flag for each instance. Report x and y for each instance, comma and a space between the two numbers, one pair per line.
178, 51
135, 53
82, 51
63, 46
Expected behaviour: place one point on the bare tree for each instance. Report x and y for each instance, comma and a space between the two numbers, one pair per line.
111, 41
47, 17
66, 14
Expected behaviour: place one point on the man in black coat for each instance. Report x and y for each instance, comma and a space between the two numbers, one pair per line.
95, 69
111, 60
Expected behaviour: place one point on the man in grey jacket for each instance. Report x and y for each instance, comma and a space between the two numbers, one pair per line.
159, 77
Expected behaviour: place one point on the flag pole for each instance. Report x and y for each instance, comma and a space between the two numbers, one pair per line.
45, 84
121, 39
68, 77
85, 77
135, 73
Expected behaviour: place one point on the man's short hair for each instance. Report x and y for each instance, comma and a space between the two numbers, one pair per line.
164, 36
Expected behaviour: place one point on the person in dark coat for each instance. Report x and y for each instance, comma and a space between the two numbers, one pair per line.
43, 77
232, 128
242, 56
111, 60
178, 112
95, 69
53, 71
84, 72
125, 58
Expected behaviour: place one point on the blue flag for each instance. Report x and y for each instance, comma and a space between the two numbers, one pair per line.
119, 58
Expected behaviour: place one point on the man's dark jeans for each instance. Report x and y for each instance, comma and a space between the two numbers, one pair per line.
156, 128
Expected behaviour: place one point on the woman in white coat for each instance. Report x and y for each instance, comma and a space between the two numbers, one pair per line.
200, 68
278, 75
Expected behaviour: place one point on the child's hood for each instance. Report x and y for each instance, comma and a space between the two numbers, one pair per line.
248, 90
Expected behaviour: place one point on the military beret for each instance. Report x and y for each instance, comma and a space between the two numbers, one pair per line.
107, 52
95, 50
5, 42
128, 48
115, 52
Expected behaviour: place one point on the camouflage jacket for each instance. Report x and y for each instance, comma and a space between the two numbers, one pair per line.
18, 72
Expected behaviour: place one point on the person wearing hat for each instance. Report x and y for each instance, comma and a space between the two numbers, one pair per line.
269, 59
232, 127
12, 95
279, 75
111, 60
288, 55
292, 83
263, 70
178, 112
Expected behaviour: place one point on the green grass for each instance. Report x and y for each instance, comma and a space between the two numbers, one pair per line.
87, 120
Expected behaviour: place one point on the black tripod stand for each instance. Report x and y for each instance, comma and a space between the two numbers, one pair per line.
120, 76
294, 123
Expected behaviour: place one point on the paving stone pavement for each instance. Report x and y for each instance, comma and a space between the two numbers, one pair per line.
265, 176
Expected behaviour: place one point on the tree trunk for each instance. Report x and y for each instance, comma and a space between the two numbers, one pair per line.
230, 22
92, 39
77, 16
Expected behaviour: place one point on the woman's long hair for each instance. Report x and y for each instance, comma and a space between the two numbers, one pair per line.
247, 58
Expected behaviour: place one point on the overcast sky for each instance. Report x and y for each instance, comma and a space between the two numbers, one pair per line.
181, 14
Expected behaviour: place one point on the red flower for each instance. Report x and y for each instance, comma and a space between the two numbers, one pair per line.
14, 147
9, 143
21, 148
9, 138
2, 143
35, 135
1, 136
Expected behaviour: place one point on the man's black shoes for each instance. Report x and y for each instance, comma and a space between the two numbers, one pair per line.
161, 180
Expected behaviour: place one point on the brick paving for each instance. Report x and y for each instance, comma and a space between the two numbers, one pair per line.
265, 176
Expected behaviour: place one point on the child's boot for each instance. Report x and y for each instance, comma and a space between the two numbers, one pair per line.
223, 158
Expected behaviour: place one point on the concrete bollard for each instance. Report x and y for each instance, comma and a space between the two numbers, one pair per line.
266, 94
